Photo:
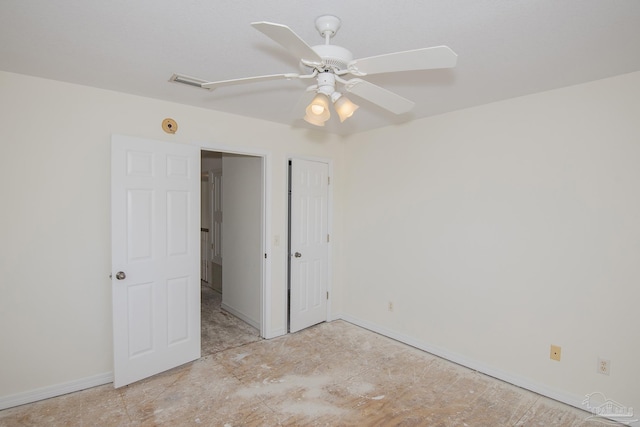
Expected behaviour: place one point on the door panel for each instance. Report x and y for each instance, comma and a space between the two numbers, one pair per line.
216, 241
309, 243
177, 223
140, 300
139, 222
155, 213
178, 310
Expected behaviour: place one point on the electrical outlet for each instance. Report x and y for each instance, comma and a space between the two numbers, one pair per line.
556, 352
390, 306
604, 366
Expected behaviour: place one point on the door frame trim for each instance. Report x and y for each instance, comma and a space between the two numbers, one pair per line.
329, 163
266, 329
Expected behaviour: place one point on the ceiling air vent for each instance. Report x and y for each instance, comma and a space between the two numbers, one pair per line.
191, 81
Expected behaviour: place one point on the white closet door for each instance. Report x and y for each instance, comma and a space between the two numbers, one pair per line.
309, 243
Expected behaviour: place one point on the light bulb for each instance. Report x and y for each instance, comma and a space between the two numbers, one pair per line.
319, 108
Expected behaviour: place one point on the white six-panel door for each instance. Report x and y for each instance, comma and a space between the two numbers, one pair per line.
155, 218
309, 243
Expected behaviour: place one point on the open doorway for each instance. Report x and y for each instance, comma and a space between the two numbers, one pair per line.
231, 250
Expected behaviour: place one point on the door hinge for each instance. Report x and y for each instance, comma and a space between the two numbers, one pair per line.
327, 294
328, 180
327, 238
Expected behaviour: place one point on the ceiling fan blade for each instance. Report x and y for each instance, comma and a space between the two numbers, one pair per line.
419, 59
214, 85
285, 37
379, 96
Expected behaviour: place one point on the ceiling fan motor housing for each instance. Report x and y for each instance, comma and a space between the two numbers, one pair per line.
334, 57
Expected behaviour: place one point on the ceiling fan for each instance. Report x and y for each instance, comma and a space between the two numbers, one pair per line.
328, 63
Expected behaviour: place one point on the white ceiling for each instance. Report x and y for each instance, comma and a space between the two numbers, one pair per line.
506, 48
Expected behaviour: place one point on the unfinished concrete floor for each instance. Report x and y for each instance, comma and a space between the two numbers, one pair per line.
333, 374
221, 330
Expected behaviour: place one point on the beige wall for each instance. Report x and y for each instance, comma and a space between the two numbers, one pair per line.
499, 230
495, 231
55, 295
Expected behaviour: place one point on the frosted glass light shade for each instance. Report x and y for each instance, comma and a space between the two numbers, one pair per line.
314, 120
319, 108
345, 108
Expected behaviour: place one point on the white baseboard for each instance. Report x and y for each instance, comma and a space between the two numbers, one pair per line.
105, 378
55, 390
335, 316
240, 315
526, 383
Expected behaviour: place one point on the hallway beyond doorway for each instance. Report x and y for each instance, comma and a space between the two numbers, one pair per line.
221, 330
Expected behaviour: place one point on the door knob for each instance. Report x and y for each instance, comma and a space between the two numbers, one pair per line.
297, 255
120, 275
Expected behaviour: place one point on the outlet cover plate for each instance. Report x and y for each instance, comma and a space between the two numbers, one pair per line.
604, 366
555, 353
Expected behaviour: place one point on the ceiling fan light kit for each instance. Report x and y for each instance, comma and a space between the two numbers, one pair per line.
327, 63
